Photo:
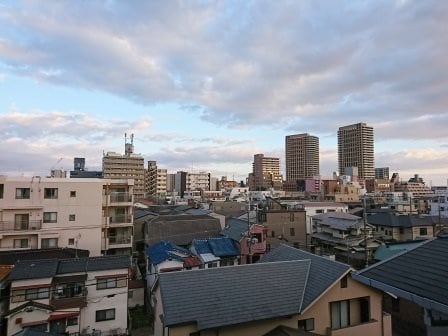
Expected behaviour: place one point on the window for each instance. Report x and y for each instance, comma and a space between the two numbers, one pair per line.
340, 314
69, 290
291, 216
71, 218
50, 217
111, 283
71, 321
48, 242
105, 315
307, 324
37, 293
344, 282
212, 265
423, 231
319, 211
401, 230
2, 189
71, 241
73, 193
20, 243
22, 193
21, 221
130, 294
292, 232
51, 193
272, 234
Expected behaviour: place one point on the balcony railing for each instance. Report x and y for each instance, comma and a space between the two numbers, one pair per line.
78, 301
120, 240
373, 327
117, 219
20, 225
120, 197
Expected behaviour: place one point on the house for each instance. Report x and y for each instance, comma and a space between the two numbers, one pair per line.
250, 238
216, 252
343, 235
167, 257
84, 295
402, 227
416, 285
290, 288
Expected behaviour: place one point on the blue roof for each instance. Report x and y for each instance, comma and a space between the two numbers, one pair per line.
388, 250
235, 228
201, 246
163, 250
222, 247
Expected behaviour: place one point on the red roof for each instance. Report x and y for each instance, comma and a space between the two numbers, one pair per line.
191, 261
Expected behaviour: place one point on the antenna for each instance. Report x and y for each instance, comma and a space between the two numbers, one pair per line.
132, 139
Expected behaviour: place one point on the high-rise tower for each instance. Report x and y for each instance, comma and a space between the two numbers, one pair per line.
356, 149
301, 156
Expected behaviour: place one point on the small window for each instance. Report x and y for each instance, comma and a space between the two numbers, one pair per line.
51, 193
36, 293
71, 321
71, 241
105, 315
292, 232
423, 231
272, 234
2, 189
49, 242
106, 283
73, 193
22, 193
291, 216
319, 211
344, 282
71, 218
50, 217
20, 243
307, 324
401, 230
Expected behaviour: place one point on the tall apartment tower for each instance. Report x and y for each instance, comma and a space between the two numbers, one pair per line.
265, 173
127, 166
356, 149
301, 156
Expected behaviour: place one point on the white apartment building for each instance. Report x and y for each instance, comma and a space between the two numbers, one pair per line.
70, 296
84, 213
439, 204
198, 181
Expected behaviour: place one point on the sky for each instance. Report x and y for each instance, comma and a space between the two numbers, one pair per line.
205, 85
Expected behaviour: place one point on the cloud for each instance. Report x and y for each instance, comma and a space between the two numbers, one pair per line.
311, 64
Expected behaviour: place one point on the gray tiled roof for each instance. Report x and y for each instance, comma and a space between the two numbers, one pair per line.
235, 228
35, 269
230, 295
419, 274
323, 272
397, 220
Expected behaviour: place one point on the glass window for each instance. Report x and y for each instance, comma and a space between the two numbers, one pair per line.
51, 193
423, 231
50, 217
111, 283
71, 321
105, 315
73, 193
340, 314
37, 293
49, 242
22, 193
21, 221
20, 243
307, 324
2, 189
71, 241
292, 232
72, 217
344, 282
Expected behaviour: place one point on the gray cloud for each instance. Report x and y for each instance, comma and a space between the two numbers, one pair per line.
296, 64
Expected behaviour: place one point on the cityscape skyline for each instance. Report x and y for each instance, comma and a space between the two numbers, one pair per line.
205, 86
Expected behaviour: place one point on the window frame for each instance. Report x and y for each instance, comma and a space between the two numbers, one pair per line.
306, 324
333, 311
23, 193
50, 219
72, 193
48, 240
21, 240
37, 293
72, 217
51, 193
99, 318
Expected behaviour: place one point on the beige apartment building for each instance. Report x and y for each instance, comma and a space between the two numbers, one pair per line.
356, 149
301, 156
265, 173
155, 180
84, 213
127, 166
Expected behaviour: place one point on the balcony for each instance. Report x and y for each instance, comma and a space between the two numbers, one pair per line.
120, 241
30, 225
78, 301
120, 219
373, 327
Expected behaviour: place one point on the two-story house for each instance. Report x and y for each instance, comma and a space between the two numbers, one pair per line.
73, 296
290, 288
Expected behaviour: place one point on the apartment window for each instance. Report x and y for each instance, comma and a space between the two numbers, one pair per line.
36, 293
340, 314
21, 221
105, 315
73, 193
51, 193
319, 211
20, 243
71, 321
292, 232
307, 324
344, 282
423, 231
71, 241
291, 216
71, 218
49, 242
50, 217
111, 283
2, 189
22, 193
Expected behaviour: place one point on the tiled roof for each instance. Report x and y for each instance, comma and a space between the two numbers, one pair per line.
36, 269
230, 295
201, 246
223, 247
336, 215
163, 250
388, 250
323, 272
396, 220
11, 257
419, 275
235, 228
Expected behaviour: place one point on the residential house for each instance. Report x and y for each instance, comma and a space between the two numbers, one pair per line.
290, 289
402, 227
250, 239
216, 252
84, 295
415, 287
343, 235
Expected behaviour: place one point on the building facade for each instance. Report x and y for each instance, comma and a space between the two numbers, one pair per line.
301, 156
265, 173
356, 149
